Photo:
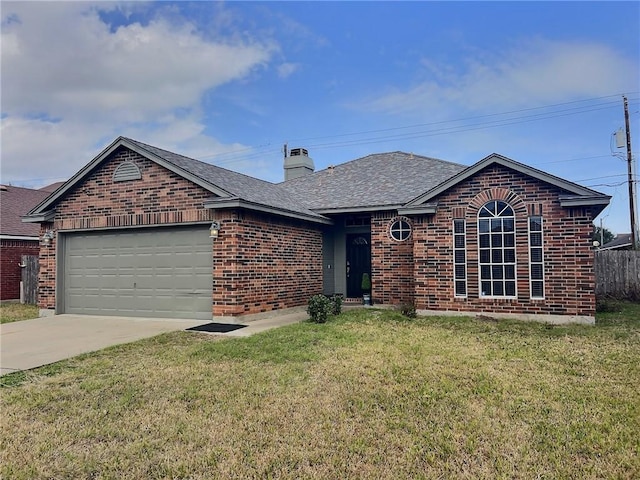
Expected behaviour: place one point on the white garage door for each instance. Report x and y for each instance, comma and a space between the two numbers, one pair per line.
143, 273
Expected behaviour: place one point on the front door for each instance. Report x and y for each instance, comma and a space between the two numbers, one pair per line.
358, 262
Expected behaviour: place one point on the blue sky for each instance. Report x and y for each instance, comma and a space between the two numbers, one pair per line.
230, 83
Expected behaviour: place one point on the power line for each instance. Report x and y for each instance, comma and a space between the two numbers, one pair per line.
610, 184
448, 130
451, 129
462, 119
599, 178
574, 159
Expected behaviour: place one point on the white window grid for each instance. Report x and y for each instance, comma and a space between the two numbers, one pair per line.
497, 251
536, 257
459, 258
400, 229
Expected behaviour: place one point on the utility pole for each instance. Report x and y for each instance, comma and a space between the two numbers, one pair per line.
632, 199
601, 233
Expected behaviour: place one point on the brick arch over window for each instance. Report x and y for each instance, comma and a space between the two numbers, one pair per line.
497, 193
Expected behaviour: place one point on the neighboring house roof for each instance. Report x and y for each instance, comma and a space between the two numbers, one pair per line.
14, 203
51, 188
368, 183
622, 240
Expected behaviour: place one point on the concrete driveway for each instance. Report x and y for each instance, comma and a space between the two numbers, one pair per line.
33, 343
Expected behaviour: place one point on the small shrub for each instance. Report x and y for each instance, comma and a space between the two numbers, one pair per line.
336, 304
408, 310
319, 308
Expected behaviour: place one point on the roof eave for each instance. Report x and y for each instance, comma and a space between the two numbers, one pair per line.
370, 208
225, 203
424, 209
596, 202
18, 237
583, 201
42, 217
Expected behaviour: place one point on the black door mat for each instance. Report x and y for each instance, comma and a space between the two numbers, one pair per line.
216, 328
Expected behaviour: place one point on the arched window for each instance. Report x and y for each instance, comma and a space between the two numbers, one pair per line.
497, 250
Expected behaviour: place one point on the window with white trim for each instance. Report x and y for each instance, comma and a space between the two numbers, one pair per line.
400, 229
459, 258
536, 258
497, 250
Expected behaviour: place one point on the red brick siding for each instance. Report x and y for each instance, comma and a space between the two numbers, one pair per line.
47, 276
11, 252
263, 263
569, 280
392, 275
161, 197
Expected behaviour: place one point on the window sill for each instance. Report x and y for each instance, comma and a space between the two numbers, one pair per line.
508, 299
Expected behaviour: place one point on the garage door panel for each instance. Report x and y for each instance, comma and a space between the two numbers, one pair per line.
147, 273
147, 260
164, 282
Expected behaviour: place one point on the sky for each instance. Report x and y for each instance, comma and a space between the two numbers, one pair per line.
230, 83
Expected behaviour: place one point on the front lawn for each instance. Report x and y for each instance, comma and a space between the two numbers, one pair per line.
12, 312
367, 395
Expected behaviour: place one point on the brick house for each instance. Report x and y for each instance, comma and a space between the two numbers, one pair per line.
129, 234
17, 238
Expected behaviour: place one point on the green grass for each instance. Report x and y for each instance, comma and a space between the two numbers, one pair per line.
12, 312
369, 394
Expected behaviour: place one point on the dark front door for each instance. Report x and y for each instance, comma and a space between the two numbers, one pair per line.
358, 262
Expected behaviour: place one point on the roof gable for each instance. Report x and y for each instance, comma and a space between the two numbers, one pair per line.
576, 195
223, 184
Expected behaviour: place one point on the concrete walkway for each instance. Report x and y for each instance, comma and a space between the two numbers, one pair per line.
32, 343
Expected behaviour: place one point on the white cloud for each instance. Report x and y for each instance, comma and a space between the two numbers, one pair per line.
61, 61
287, 69
534, 73
38, 152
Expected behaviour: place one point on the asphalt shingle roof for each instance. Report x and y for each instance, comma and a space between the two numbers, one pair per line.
236, 184
620, 240
381, 179
16, 202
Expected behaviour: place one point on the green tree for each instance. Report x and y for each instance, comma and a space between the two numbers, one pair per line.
602, 238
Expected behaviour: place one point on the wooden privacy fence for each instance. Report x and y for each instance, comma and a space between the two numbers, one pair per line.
29, 283
618, 273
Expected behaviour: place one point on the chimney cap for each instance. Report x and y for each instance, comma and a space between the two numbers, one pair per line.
295, 152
